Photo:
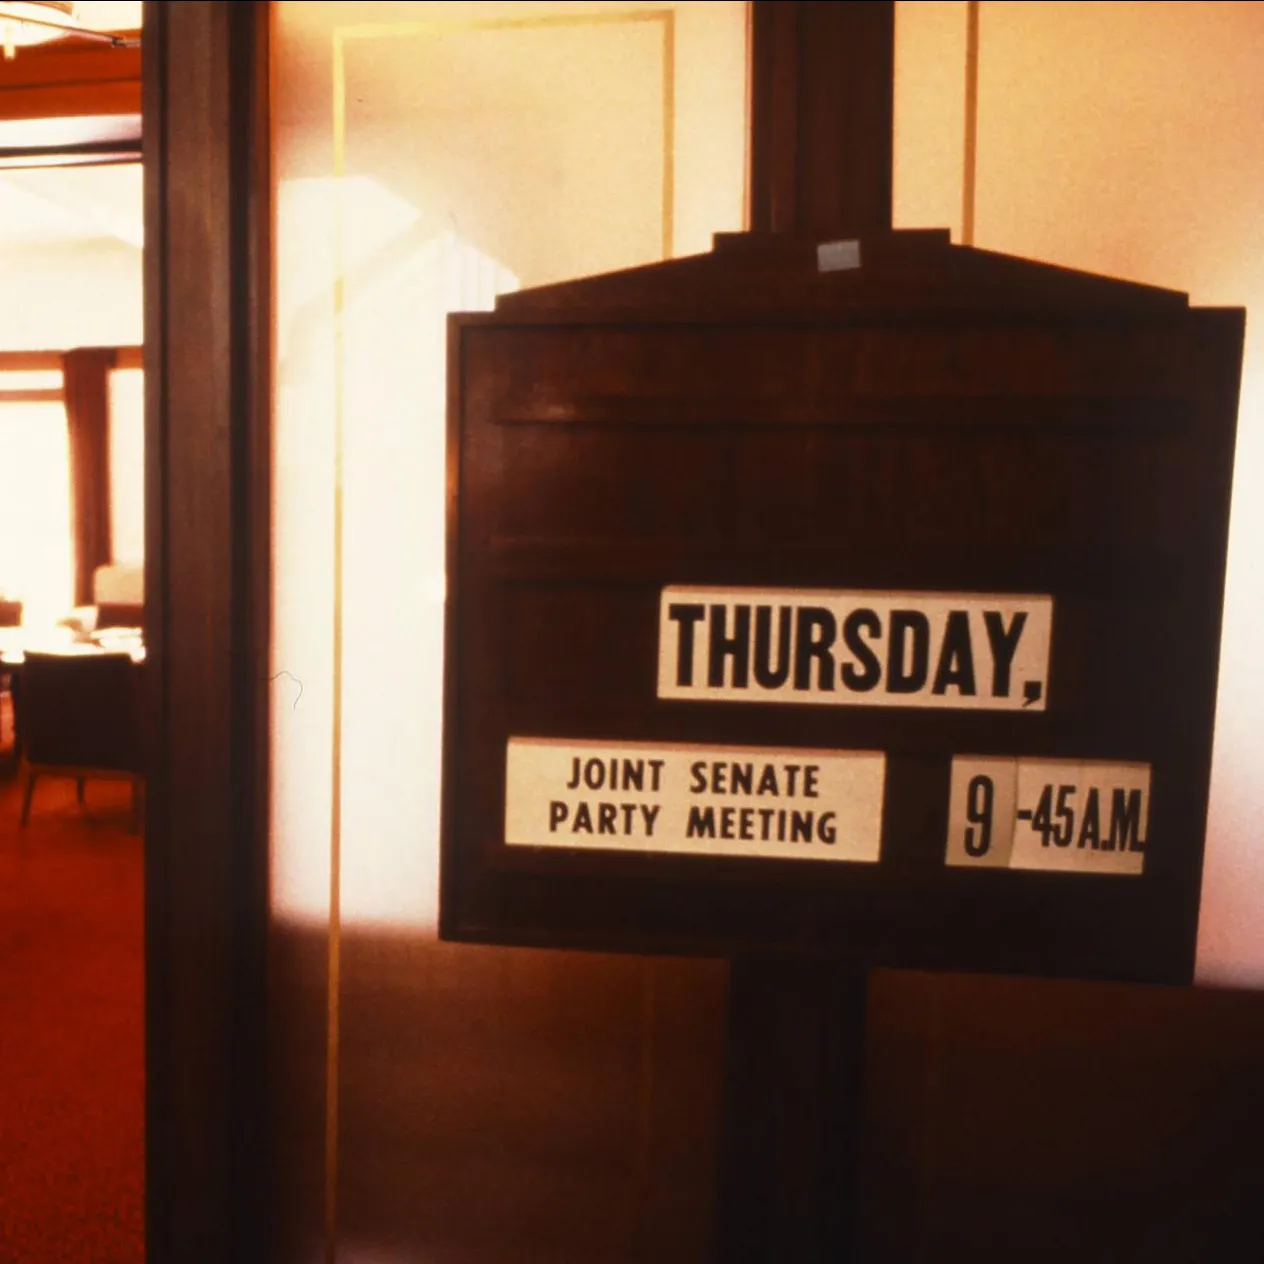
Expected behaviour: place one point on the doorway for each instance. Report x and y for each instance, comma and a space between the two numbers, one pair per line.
71, 638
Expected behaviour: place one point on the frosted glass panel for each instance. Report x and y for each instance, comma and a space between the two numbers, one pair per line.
429, 157
486, 1104
930, 68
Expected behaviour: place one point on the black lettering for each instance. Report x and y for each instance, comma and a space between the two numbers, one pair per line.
701, 823
768, 781
1064, 833
869, 674
956, 657
980, 799
697, 777
792, 776
736, 647
583, 820
1125, 821
801, 827
606, 818
656, 767
814, 639
810, 774
686, 617
558, 812
1042, 818
742, 778
765, 820
594, 774
726, 822
633, 774
768, 676
908, 665
746, 821
1004, 643
650, 815
629, 816
826, 829
1090, 824
574, 781
719, 778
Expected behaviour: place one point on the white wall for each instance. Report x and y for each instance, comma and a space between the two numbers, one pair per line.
77, 293
71, 275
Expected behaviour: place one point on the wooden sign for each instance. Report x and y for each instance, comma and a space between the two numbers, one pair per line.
869, 611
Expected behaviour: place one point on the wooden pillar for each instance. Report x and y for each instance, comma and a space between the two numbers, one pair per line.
86, 374
822, 144
794, 1081
822, 114
207, 386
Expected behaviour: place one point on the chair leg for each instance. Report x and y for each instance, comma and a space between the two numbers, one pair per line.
27, 796
138, 803
79, 790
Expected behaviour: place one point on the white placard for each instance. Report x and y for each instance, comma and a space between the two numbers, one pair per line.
697, 800
969, 651
1085, 817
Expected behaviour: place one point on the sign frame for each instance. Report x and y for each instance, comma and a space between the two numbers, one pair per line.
939, 421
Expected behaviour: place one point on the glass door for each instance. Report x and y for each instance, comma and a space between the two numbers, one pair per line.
445, 1102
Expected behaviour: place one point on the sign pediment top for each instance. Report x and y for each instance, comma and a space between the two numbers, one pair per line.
773, 273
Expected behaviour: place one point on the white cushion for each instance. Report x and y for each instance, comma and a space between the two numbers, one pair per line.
118, 585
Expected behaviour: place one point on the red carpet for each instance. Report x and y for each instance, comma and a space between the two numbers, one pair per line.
71, 1028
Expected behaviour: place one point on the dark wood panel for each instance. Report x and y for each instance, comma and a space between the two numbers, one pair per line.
823, 372
1017, 1119
526, 1106
298, 1018
639, 560
206, 335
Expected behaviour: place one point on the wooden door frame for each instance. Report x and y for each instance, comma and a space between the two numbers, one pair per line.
207, 482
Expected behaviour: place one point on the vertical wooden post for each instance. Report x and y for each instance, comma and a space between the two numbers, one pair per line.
822, 116
207, 197
793, 1094
86, 375
822, 145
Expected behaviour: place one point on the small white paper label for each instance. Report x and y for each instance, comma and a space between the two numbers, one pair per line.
1083, 817
838, 256
783, 804
967, 651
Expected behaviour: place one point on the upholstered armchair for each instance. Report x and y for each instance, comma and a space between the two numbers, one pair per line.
82, 718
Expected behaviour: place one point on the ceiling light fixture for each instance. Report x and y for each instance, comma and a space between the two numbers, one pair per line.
27, 22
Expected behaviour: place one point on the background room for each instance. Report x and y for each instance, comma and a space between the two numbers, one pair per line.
71, 645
